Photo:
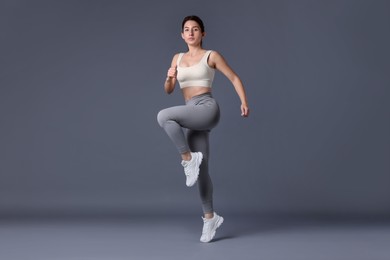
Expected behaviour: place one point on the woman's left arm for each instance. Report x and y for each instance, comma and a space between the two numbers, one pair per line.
216, 60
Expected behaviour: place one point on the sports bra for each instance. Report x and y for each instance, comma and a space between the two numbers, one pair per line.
200, 74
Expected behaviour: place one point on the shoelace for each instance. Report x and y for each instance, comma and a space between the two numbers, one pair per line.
206, 226
186, 172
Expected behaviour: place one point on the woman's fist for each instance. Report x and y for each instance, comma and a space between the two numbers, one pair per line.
172, 72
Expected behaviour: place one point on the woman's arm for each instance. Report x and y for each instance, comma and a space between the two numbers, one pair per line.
220, 64
170, 81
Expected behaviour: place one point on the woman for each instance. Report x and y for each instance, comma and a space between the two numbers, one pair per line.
194, 70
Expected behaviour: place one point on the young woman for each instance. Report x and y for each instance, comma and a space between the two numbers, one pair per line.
194, 70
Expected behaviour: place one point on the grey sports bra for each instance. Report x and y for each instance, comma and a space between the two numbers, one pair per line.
199, 75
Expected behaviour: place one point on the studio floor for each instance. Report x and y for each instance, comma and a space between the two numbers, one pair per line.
168, 237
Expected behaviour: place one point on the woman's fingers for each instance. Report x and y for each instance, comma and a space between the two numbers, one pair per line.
244, 111
172, 71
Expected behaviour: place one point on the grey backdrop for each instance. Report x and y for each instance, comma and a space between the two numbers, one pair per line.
81, 84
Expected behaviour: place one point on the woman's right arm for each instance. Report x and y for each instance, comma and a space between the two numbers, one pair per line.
170, 81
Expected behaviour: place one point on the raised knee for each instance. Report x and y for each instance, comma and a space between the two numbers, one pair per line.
161, 118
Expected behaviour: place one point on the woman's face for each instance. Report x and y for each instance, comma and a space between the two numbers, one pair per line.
192, 33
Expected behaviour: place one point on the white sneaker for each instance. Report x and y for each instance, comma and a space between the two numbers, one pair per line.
191, 168
209, 227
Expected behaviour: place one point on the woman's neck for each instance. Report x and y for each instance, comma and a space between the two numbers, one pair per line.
193, 51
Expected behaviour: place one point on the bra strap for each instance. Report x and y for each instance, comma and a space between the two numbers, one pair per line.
206, 56
179, 59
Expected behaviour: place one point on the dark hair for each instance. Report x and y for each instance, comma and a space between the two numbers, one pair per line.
193, 18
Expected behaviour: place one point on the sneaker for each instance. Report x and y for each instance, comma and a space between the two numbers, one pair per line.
209, 227
191, 168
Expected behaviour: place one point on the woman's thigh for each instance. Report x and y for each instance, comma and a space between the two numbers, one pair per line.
196, 117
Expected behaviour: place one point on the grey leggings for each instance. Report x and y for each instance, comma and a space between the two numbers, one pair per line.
198, 116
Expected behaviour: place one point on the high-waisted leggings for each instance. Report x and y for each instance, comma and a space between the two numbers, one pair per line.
198, 116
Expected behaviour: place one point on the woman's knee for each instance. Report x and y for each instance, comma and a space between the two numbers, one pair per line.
162, 117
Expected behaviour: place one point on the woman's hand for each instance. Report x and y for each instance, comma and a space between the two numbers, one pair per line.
172, 72
170, 81
244, 110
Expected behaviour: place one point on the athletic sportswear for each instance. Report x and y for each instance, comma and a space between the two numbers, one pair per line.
198, 75
209, 227
191, 168
189, 126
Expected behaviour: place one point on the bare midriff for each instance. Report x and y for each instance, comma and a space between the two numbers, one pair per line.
190, 92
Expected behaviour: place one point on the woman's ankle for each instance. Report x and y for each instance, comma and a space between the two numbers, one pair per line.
186, 156
208, 215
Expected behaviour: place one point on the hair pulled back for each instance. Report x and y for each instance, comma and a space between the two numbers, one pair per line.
193, 18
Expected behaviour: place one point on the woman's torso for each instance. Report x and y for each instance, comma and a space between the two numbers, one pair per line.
186, 62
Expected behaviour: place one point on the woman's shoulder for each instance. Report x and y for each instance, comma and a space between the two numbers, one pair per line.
176, 57
215, 53
177, 54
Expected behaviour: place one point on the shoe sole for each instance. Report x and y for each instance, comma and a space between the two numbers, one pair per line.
219, 223
198, 161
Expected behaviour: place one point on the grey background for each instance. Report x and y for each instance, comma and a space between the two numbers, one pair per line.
81, 84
